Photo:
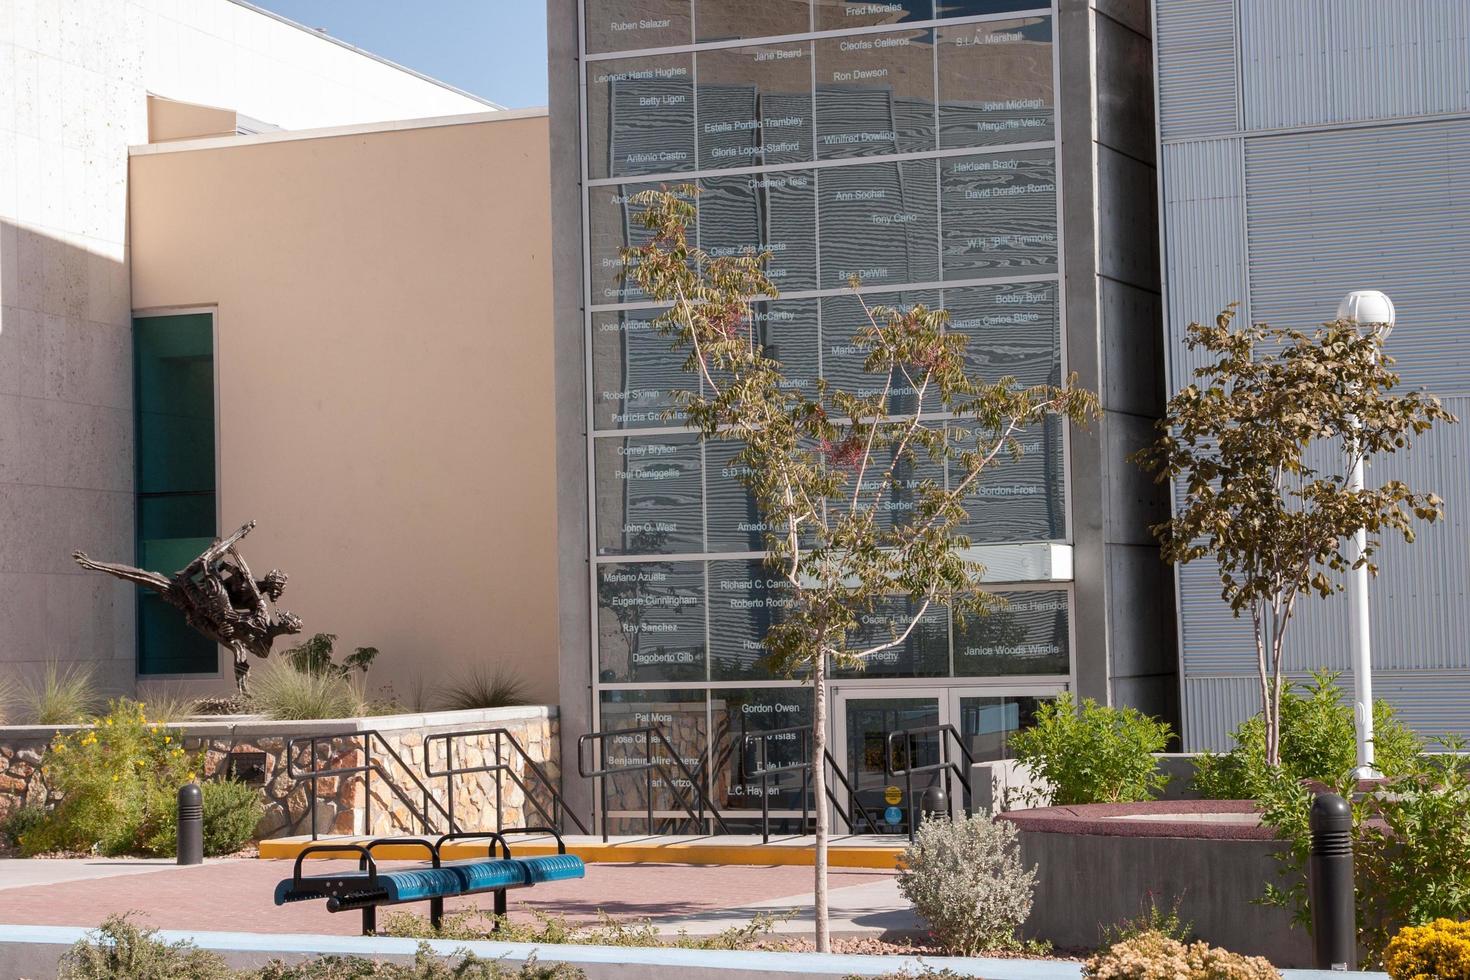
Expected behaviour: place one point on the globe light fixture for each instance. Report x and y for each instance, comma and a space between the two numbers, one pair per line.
1366, 308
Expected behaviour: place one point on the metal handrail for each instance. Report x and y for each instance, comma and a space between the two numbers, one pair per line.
764, 772
368, 767
649, 766
945, 765
501, 735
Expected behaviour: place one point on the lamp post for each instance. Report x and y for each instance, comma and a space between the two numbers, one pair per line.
1372, 309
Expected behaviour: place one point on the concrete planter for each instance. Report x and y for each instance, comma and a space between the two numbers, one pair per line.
1102, 864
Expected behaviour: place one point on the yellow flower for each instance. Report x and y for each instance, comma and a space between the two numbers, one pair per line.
167, 739
192, 777
114, 779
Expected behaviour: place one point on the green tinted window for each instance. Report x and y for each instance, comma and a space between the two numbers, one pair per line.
173, 360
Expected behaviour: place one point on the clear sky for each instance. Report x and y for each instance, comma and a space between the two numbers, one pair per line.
493, 48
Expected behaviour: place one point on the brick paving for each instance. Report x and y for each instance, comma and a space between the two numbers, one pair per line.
237, 896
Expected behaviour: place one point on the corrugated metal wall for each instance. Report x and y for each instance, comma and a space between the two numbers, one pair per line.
1197, 67
1310, 62
1329, 178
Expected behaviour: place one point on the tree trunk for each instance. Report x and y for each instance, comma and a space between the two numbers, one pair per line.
819, 787
1265, 648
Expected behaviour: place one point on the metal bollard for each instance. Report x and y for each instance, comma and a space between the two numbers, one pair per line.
934, 803
191, 824
1330, 884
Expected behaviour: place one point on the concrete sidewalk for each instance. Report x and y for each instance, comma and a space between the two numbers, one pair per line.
29, 872
875, 909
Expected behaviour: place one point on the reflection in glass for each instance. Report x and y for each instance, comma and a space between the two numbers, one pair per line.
1012, 330
1028, 636
738, 761
986, 724
975, 8
735, 522
836, 15
745, 599
635, 372
721, 20
843, 357
640, 116
631, 25
1015, 500
872, 758
650, 622
648, 495
995, 83
774, 212
755, 105
925, 653
1000, 214
878, 221
875, 94
612, 225
680, 715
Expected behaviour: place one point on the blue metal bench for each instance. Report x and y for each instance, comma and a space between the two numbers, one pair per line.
368, 888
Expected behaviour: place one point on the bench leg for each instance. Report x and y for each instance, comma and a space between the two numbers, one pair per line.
499, 908
436, 912
370, 921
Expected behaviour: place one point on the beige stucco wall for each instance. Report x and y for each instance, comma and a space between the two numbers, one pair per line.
170, 119
384, 364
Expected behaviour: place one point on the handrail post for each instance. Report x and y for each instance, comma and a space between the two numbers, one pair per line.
908, 782
806, 781
448, 780
765, 796
648, 775
312, 801
367, 782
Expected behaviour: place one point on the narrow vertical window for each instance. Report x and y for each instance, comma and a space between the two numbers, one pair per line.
173, 404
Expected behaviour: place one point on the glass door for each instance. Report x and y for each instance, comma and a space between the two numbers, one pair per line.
865, 718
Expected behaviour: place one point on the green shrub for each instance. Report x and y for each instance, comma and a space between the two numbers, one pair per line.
63, 695
426, 966
1097, 754
1411, 847
475, 924
966, 880
481, 688
1153, 919
118, 782
1318, 741
232, 811
120, 950
314, 656
22, 820
281, 692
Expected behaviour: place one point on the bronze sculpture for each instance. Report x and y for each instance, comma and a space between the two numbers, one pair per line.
220, 598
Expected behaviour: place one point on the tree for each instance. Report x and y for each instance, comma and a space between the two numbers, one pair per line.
1261, 448
826, 472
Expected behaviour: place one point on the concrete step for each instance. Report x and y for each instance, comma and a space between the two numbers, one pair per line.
855, 851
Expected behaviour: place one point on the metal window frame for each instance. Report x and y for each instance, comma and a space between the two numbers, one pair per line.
187, 310
591, 434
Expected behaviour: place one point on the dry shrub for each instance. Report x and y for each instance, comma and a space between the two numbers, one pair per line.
1154, 956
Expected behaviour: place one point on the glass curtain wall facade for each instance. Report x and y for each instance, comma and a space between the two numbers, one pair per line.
913, 144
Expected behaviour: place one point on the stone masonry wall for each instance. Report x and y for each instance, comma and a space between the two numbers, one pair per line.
360, 803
